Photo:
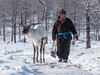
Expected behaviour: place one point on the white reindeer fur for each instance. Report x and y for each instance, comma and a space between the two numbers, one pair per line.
37, 33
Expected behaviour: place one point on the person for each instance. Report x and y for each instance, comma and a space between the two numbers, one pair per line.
62, 29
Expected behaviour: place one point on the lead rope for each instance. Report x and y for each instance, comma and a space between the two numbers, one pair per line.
53, 45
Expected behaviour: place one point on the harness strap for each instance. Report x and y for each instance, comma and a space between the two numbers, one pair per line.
64, 34
60, 24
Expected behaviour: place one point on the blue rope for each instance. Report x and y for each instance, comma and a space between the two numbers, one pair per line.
64, 34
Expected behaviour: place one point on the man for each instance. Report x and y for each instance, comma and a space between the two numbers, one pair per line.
63, 28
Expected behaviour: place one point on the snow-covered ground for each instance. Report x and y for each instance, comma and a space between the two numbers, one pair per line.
17, 59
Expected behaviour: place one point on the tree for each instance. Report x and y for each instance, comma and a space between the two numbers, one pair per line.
4, 35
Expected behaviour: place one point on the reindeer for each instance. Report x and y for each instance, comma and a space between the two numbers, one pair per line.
37, 34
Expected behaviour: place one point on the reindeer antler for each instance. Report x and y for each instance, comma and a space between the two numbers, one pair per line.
21, 24
42, 10
42, 14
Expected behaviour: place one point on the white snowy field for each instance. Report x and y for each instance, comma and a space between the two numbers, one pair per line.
17, 59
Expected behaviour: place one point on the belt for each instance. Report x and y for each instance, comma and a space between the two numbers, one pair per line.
64, 34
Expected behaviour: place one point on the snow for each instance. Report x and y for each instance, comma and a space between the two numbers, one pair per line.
17, 59
89, 59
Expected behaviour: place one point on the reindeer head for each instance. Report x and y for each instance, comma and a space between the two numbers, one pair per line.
27, 28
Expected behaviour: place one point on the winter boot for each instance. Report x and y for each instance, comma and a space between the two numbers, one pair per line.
65, 60
60, 60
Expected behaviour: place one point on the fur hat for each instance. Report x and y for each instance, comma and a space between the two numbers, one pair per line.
62, 12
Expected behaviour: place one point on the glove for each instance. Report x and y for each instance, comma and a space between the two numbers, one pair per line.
76, 36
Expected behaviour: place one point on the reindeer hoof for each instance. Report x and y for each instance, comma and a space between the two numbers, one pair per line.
33, 62
37, 60
40, 61
43, 60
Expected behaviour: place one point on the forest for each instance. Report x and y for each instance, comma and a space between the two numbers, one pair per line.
84, 13
17, 53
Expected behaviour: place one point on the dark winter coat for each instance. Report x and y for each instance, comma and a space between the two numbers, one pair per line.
63, 45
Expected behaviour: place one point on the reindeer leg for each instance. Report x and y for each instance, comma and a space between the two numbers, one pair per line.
46, 40
41, 51
37, 55
44, 48
33, 54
